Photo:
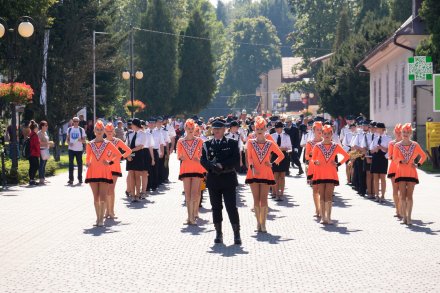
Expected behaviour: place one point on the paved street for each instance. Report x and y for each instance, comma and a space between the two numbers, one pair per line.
47, 243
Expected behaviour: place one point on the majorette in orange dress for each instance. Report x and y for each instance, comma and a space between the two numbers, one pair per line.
309, 148
96, 154
258, 155
116, 167
189, 149
404, 156
393, 164
326, 171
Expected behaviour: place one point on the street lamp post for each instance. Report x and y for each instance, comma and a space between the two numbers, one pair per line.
25, 29
131, 75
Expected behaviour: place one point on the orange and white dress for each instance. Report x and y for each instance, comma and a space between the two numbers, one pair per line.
257, 156
326, 171
404, 156
116, 167
309, 148
393, 164
96, 154
190, 149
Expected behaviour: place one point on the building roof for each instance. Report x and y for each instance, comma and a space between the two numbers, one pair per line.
412, 26
287, 64
322, 58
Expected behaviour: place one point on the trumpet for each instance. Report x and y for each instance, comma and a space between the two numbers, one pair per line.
355, 154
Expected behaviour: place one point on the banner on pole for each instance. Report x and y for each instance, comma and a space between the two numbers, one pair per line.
436, 92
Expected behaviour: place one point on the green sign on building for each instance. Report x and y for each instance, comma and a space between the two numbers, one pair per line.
436, 86
420, 68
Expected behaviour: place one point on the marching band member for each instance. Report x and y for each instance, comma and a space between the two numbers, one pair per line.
115, 168
405, 153
189, 151
393, 167
317, 138
279, 171
260, 175
325, 175
379, 162
346, 145
100, 154
136, 166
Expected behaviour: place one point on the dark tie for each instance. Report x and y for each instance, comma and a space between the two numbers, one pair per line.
380, 140
233, 136
133, 141
279, 140
217, 141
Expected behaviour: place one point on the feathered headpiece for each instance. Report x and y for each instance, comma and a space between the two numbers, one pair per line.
189, 123
109, 127
317, 125
99, 125
260, 122
407, 127
327, 128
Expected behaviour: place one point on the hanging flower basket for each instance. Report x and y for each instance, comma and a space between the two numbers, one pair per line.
18, 93
137, 107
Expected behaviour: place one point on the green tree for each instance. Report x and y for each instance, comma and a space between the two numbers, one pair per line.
378, 7
342, 31
197, 83
431, 47
401, 10
157, 57
341, 87
315, 26
243, 62
222, 13
278, 12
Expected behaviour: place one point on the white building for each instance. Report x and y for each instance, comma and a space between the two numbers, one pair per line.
393, 97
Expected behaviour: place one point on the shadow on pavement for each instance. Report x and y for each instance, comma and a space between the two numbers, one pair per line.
339, 229
340, 202
193, 229
269, 238
137, 205
227, 251
287, 202
98, 231
421, 227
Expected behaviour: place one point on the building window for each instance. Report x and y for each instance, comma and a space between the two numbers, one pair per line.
380, 92
388, 87
374, 96
396, 86
402, 88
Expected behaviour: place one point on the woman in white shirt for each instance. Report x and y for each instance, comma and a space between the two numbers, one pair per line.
279, 171
379, 162
136, 166
148, 156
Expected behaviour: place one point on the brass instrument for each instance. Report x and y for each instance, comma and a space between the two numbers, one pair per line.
355, 154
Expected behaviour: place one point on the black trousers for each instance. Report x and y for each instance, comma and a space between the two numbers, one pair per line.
216, 195
34, 164
153, 177
359, 176
78, 157
294, 159
162, 170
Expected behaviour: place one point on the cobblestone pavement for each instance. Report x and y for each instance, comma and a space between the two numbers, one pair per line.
47, 243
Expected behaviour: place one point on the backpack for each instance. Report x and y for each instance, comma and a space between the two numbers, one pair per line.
26, 151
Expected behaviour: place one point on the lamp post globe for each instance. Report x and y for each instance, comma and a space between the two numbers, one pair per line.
126, 75
139, 74
2, 30
26, 29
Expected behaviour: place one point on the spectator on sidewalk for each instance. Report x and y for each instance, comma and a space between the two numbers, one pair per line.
44, 150
34, 152
119, 130
76, 138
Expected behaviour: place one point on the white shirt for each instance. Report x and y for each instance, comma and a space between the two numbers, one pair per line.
236, 137
285, 140
75, 143
165, 135
384, 142
148, 141
158, 138
346, 141
344, 131
171, 130
306, 137
140, 138
336, 139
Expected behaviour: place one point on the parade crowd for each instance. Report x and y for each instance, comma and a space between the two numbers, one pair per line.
211, 152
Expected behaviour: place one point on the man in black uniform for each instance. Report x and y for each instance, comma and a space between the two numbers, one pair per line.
292, 130
220, 156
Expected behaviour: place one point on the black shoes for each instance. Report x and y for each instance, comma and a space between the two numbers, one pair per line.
300, 172
218, 233
70, 182
237, 238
